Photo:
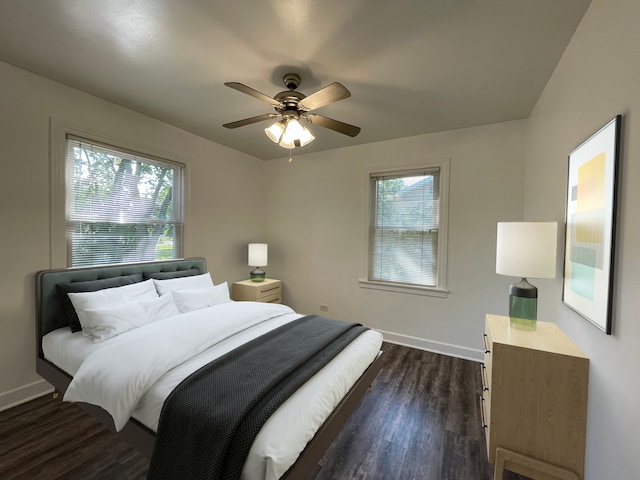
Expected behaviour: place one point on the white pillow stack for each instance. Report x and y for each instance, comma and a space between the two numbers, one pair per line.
106, 313
108, 322
195, 292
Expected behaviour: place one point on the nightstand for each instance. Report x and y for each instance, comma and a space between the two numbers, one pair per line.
267, 291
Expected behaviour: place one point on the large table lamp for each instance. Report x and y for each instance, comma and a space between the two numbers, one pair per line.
526, 249
257, 259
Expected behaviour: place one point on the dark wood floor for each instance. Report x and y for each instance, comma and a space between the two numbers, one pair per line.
420, 421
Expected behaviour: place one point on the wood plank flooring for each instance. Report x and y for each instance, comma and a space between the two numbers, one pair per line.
420, 421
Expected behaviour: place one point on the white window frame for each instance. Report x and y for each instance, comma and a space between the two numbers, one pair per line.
60, 254
440, 289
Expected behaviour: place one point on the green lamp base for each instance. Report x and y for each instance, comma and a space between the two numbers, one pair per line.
257, 275
523, 305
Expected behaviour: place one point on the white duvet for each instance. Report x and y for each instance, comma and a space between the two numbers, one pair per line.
130, 375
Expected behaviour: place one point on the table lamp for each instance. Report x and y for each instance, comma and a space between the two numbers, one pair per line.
257, 259
526, 249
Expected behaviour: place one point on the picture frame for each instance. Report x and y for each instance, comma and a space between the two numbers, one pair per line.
591, 225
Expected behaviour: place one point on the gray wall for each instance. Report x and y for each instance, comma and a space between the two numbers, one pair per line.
597, 78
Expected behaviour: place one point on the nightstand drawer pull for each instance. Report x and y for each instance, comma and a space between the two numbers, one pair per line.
270, 289
484, 341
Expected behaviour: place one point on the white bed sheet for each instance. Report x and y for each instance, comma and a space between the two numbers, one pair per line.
278, 444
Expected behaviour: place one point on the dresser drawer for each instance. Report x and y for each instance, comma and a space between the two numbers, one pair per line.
485, 375
485, 408
487, 360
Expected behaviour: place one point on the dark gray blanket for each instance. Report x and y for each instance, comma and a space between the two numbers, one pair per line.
209, 421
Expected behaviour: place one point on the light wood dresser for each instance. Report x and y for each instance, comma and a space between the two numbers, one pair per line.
267, 291
534, 401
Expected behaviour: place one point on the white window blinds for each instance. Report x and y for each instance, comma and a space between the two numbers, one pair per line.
404, 227
121, 206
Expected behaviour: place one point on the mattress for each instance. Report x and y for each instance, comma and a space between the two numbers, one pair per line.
289, 429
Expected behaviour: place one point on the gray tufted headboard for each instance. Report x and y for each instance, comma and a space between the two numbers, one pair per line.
49, 312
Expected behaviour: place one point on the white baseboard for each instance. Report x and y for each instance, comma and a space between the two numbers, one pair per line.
433, 346
23, 394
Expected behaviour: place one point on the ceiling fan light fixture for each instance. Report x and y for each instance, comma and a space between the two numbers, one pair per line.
275, 131
293, 129
306, 137
288, 143
295, 135
289, 134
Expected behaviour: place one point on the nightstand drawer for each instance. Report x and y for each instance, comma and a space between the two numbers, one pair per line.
273, 298
268, 291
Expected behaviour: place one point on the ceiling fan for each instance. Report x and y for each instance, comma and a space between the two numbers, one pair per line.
292, 106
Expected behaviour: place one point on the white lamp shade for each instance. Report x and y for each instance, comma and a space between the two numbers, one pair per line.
258, 254
527, 249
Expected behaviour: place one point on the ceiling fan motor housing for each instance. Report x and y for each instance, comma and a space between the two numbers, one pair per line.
289, 100
291, 80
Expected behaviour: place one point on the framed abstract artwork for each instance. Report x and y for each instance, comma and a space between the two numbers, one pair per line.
590, 225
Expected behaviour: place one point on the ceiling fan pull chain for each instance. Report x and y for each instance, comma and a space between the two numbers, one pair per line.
290, 155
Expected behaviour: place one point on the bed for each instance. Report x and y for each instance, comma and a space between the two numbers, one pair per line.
61, 355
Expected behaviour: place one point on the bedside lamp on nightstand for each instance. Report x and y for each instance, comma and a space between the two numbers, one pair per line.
526, 249
257, 258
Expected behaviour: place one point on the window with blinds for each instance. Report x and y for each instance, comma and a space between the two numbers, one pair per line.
405, 227
121, 206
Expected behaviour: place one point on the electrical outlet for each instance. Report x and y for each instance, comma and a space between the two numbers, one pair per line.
324, 308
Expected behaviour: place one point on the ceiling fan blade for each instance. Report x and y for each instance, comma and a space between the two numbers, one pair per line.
335, 125
254, 93
249, 121
329, 94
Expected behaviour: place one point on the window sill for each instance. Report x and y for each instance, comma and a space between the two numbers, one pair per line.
410, 289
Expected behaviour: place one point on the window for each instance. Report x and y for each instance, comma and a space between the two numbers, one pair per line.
407, 229
121, 206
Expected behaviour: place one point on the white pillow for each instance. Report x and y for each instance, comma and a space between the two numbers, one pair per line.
110, 296
193, 282
189, 299
107, 322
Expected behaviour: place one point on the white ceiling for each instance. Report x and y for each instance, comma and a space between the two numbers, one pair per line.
412, 66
